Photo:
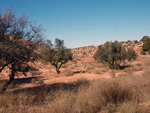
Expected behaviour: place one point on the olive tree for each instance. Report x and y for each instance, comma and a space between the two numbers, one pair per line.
19, 39
56, 54
113, 53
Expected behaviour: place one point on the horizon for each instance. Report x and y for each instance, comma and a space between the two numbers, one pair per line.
83, 23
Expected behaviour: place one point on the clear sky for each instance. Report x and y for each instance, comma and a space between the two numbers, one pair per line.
87, 22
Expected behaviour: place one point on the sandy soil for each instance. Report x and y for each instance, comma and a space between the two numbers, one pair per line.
49, 76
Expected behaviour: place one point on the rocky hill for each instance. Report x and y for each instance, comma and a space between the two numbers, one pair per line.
89, 51
136, 45
84, 52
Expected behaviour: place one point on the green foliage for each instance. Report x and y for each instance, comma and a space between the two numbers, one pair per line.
113, 53
18, 43
145, 38
146, 45
131, 54
59, 44
58, 55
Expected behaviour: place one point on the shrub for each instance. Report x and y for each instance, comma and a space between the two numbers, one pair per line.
116, 92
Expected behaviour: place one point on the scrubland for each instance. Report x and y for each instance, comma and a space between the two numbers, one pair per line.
123, 94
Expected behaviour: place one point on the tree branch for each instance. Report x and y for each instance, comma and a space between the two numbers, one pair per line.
4, 66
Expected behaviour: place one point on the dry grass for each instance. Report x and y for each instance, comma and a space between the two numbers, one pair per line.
146, 64
98, 71
129, 70
122, 94
34, 73
67, 72
128, 107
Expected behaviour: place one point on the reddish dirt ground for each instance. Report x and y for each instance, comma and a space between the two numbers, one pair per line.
49, 76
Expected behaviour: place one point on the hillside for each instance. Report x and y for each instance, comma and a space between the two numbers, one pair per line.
89, 51
85, 54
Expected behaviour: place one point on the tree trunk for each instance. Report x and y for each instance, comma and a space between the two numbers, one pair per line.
57, 70
11, 78
58, 67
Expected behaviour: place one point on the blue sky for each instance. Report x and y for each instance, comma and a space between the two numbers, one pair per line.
87, 22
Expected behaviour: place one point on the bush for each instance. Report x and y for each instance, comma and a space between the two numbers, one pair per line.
115, 92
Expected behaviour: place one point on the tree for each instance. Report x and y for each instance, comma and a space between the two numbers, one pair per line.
144, 38
56, 54
146, 45
113, 53
19, 39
